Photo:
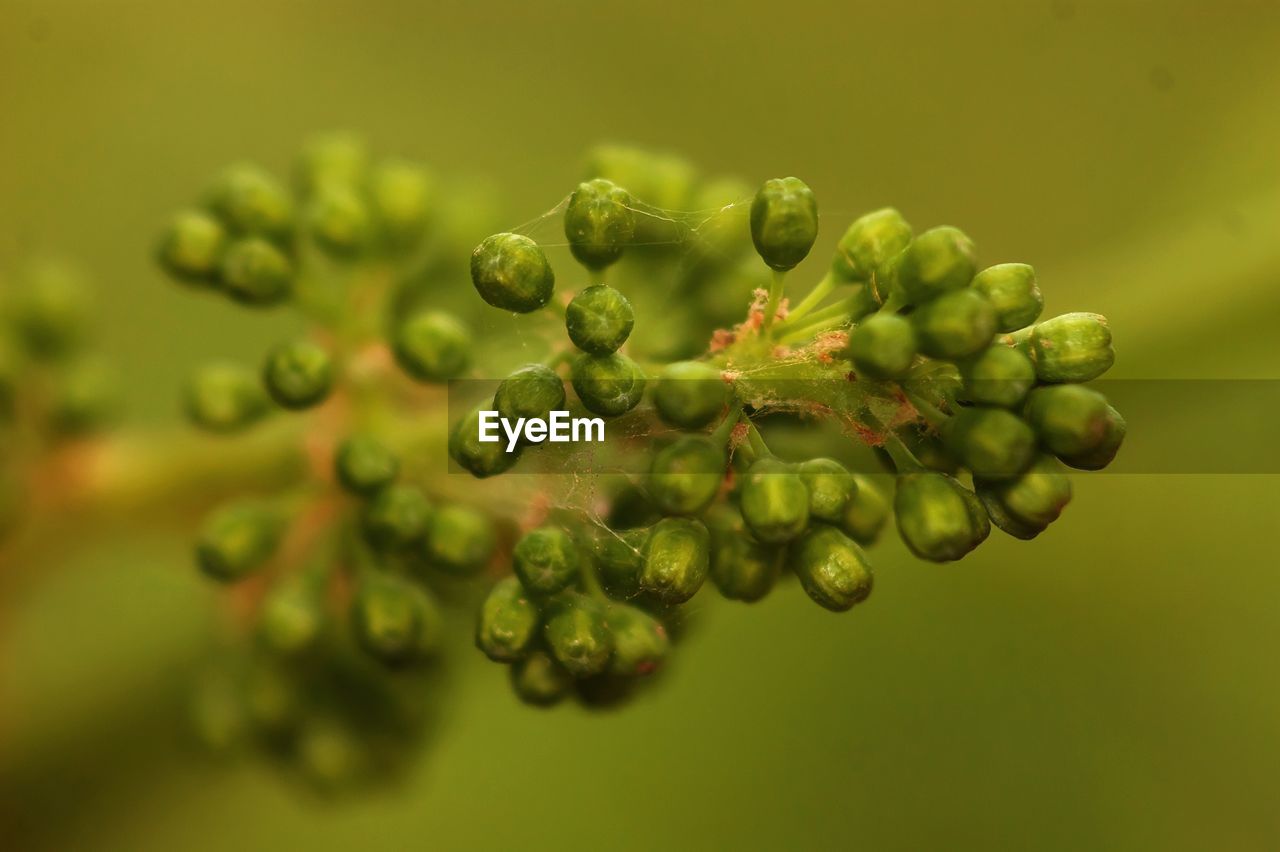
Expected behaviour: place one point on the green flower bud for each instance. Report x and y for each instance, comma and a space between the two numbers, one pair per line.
577, 634
364, 465
254, 272
599, 320
388, 617
741, 568
298, 374
332, 159
51, 310
830, 487
432, 346
251, 202
883, 346
689, 394
871, 240
292, 615
1025, 506
401, 193
832, 569
459, 539
660, 180
865, 512
608, 385
330, 753
998, 376
236, 540
533, 391
396, 517
1012, 290
993, 443
539, 680
339, 221
85, 395
546, 560
480, 458
599, 223
939, 519
936, 262
510, 272
640, 641
720, 235
685, 475
191, 246
1072, 348
1076, 424
676, 560
775, 502
224, 398
1103, 454
619, 558
955, 325
508, 622
784, 222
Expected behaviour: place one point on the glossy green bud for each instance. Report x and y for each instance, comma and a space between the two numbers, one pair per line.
292, 615
775, 502
640, 641
830, 487
865, 512
388, 616
868, 242
599, 223
511, 272
577, 634
1025, 506
254, 272
546, 560
660, 180
84, 396
479, 458
1105, 452
832, 569
298, 374
619, 559
938, 518
237, 539
539, 680
599, 320
938, 261
365, 465
401, 193
533, 391
993, 443
608, 385
741, 568
332, 158
998, 376
1012, 290
685, 475
191, 246
676, 560
51, 310
508, 623
339, 221
883, 346
955, 325
1076, 424
1072, 348
784, 222
224, 398
396, 517
432, 346
459, 539
689, 394
251, 202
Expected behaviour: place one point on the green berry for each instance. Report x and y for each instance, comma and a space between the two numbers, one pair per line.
939, 519
868, 242
619, 559
832, 569
85, 394
533, 391
510, 272
955, 325
577, 634
599, 320
608, 385
432, 346
830, 487
741, 568
254, 272
401, 195
685, 476
1076, 424
993, 443
224, 398
938, 261
998, 376
689, 394
676, 560
539, 680
1012, 290
479, 458
332, 159
1025, 506
236, 540
661, 181
784, 222
883, 346
546, 560
599, 223
775, 502
396, 517
388, 617
1072, 348
191, 246
508, 622
292, 615
339, 221
865, 512
51, 311
459, 539
298, 374
640, 641
364, 465
251, 202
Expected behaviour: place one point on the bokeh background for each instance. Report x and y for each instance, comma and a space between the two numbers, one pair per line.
1111, 686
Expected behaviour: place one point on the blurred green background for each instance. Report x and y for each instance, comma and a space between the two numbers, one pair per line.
1111, 686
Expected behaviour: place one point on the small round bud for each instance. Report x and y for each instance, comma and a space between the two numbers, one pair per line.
1072, 348
329, 752
251, 202
868, 242
676, 560
338, 220
993, 443
832, 569
292, 616
938, 261
432, 346
883, 346
51, 310
401, 193
865, 512
364, 465
85, 395
388, 617
955, 325
830, 487
998, 376
546, 560
459, 539
577, 633
298, 375
775, 502
396, 517
236, 540
640, 641
599, 223
1025, 506
608, 385
741, 568
254, 272
191, 246
689, 394
784, 222
720, 235
939, 519
510, 272
1076, 424
539, 680
599, 320
619, 558
1012, 290
533, 391
479, 458
332, 158
685, 476
508, 622
224, 398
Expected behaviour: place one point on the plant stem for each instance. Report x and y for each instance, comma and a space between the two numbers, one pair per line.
903, 459
775, 299
935, 416
756, 440
724, 431
820, 291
